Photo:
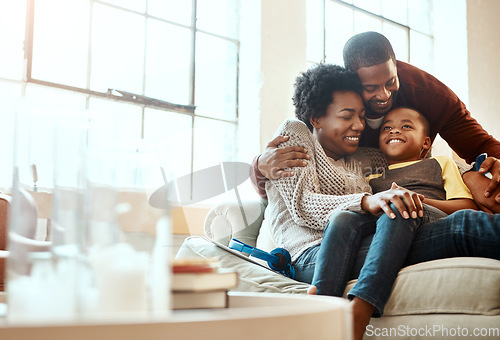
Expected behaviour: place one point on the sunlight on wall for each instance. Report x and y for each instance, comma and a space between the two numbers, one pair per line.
450, 55
483, 28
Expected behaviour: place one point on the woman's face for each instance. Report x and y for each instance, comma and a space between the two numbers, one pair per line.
340, 129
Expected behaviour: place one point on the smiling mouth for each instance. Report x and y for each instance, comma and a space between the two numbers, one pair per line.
352, 138
382, 104
395, 141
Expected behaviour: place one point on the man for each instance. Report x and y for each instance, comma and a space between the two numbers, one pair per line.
388, 83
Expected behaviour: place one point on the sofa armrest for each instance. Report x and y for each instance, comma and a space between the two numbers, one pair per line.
231, 220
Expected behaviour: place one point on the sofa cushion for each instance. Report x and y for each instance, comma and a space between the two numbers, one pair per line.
252, 276
265, 240
464, 285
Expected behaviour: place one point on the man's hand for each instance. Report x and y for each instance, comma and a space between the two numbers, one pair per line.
407, 202
477, 182
492, 165
273, 161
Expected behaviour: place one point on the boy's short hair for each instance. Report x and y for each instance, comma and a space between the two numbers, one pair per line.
423, 119
367, 49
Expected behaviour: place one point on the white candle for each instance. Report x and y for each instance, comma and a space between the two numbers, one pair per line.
121, 280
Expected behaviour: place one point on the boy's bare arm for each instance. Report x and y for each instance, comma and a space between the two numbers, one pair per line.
450, 206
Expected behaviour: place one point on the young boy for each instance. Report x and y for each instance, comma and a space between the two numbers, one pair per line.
404, 140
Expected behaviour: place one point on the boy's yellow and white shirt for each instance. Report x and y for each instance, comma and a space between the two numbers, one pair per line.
435, 177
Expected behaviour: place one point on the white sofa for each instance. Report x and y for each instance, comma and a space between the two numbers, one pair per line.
443, 299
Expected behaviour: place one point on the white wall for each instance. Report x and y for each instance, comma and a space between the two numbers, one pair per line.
450, 54
249, 81
450, 45
283, 57
483, 27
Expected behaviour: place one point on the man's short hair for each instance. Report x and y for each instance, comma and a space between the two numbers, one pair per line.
367, 49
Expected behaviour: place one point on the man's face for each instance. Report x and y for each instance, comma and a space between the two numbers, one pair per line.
380, 87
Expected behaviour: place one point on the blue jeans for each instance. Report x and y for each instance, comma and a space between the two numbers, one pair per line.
330, 265
464, 233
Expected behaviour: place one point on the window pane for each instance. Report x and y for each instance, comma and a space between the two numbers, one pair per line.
173, 10
218, 16
370, 5
167, 62
34, 134
396, 10
12, 23
364, 22
315, 32
421, 51
10, 95
171, 134
41, 108
398, 36
134, 5
129, 164
213, 143
420, 12
112, 123
60, 46
339, 28
216, 68
117, 50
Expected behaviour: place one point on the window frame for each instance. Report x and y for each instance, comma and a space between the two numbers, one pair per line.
407, 27
138, 99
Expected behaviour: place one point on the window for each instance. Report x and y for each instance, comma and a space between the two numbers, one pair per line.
164, 72
407, 25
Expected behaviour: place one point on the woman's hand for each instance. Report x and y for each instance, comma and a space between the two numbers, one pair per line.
407, 202
273, 161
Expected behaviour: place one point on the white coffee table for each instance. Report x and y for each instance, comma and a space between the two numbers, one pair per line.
254, 316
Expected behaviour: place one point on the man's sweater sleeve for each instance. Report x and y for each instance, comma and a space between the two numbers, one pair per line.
466, 136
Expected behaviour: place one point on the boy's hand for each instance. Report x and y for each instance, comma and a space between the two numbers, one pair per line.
273, 161
407, 202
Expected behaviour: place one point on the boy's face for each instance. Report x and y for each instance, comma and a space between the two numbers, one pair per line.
402, 136
380, 87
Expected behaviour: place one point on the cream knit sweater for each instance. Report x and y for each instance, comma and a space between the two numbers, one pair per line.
299, 207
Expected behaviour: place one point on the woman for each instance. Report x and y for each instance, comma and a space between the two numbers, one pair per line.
302, 208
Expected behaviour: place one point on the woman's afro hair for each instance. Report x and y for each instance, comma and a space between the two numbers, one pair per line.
314, 90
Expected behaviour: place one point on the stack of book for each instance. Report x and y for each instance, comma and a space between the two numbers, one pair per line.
201, 283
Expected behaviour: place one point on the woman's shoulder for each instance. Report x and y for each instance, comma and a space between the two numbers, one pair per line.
294, 128
294, 125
